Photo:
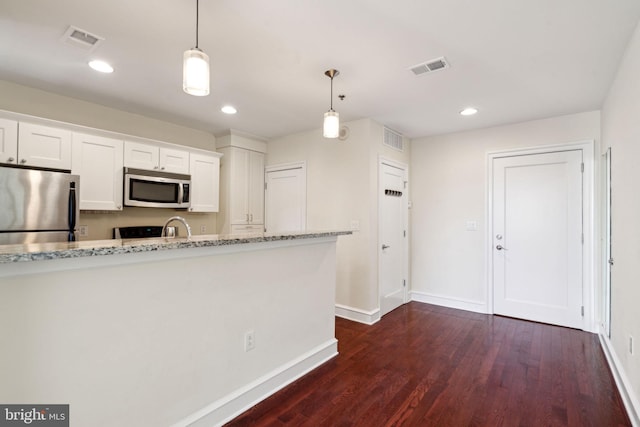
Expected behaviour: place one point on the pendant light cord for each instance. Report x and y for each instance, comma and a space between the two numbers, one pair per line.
197, 20
331, 102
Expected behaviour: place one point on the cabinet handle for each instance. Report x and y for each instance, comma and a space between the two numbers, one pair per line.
155, 167
119, 206
162, 168
247, 217
10, 159
23, 161
250, 217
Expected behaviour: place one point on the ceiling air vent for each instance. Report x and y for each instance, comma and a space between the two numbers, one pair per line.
392, 139
81, 38
430, 66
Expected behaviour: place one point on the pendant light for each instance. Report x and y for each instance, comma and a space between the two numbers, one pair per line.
331, 127
195, 68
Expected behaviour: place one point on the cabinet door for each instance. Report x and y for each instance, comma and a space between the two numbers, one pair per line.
140, 156
8, 141
176, 161
44, 146
99, 163
238, 185
205, 182
256, 187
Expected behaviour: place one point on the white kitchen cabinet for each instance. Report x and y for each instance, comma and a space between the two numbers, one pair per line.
151, 157
242, 188
43, 146
246, 229
205, 182
8, 141
99, 162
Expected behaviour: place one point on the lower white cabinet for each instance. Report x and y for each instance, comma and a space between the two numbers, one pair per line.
205, 182
99, 162
247, 229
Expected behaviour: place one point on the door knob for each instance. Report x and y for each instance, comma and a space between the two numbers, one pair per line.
501, 248
385, 247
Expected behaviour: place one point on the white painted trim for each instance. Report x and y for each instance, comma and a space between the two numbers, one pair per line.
382, 160
357, 315
630, 400
588, 266
451, 302
224, 410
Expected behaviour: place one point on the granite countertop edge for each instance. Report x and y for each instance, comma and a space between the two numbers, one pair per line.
91, 248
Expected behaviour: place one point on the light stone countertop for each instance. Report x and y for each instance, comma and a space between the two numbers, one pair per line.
90, 248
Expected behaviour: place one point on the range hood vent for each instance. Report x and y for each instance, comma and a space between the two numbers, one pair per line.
80, 38
430, 66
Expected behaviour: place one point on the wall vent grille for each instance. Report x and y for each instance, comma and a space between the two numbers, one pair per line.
80, 38
393, 139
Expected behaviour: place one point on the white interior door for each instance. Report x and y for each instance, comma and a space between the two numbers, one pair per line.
393, 244
606, 249
537, 237
286, 200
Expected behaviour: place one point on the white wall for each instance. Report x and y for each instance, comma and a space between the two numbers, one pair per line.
35, 102
621, 132
341, 187
448, 176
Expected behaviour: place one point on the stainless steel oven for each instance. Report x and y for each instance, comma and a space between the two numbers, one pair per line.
153, 189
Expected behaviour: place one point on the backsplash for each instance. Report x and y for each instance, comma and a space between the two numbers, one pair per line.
100, 224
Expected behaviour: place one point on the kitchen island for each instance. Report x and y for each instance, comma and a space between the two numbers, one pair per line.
184, 331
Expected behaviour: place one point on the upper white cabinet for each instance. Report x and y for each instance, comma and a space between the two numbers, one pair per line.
151, 157
99, 163
8, 141
29, 144
241, 188
205, 182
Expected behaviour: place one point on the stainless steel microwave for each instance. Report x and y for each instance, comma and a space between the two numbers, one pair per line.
154, 189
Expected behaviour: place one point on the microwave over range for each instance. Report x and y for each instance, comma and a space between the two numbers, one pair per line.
153, 189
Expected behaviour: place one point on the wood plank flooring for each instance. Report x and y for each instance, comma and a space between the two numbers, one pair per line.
424, 365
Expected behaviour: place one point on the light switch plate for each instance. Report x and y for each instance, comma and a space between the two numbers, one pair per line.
472, 225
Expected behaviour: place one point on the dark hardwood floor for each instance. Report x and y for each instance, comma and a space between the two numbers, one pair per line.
424, 365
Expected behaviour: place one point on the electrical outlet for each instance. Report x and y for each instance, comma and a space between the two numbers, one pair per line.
203, 229
630, 344
249, 340
355, 225
83, 230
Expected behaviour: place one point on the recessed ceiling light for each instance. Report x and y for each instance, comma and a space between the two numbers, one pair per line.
469, 111
101, 66
228, 109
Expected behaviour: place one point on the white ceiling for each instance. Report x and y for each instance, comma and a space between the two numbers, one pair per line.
514, 60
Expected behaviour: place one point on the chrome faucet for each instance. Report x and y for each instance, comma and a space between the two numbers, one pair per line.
176, 218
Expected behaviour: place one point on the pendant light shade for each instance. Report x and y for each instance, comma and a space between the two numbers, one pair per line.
331, 126
195, 72
195, 67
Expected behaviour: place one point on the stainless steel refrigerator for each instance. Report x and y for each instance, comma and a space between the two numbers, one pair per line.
37, 206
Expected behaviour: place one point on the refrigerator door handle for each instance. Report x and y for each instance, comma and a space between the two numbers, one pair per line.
72, 211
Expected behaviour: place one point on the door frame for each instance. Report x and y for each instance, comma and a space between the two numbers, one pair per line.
587, 147
282, 167
382, 160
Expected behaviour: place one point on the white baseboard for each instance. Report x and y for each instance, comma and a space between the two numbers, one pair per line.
234, 404
629, 398
459, 303
357, 315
